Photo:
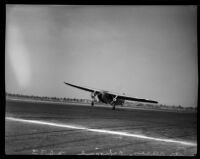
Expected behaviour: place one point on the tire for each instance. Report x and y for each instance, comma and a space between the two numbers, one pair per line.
113, 108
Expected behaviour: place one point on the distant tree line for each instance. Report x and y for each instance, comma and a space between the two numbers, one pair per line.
162, 106
45, 98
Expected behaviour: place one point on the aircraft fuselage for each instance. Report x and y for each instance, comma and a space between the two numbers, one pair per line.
109, 99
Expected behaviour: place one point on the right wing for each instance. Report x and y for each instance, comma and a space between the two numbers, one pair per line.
136, 99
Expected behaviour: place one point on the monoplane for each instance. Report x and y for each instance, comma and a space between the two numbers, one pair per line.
108, 97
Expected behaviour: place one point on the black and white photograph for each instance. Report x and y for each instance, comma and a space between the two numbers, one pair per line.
102, 80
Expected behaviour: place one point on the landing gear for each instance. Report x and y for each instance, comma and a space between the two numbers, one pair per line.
93, 94
114, 102
92, 104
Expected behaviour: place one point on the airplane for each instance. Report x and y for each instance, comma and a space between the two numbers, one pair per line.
108, 97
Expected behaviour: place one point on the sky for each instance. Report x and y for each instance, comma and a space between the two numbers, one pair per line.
142, 51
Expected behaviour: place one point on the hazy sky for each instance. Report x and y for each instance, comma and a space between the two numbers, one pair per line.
143, 51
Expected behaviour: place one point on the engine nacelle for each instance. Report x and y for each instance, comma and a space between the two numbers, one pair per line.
93, 95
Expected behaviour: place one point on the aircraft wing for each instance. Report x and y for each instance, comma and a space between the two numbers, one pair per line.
136, 99
83, 88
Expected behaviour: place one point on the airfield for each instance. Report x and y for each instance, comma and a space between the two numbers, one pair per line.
50, 128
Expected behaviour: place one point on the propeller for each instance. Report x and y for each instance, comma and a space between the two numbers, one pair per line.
114, 99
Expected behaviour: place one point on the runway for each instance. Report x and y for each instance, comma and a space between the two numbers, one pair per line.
68, 129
